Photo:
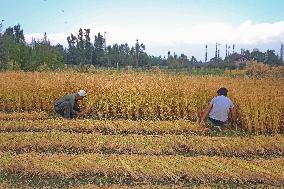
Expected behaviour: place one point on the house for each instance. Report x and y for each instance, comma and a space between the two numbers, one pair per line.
241, 60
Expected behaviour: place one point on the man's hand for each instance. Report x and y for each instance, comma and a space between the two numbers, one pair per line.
234, 115
205, 114
80, 114
202, 123
76, 114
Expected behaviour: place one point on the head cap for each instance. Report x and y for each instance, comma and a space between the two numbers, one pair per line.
82, 93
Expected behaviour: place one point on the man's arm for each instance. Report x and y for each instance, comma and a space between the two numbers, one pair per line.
234, 115
205, 114
76, 107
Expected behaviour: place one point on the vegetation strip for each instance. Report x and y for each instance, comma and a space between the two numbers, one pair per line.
100, 181
61, 142
20, 116
105, 127
112, 186
146, 168
110, 183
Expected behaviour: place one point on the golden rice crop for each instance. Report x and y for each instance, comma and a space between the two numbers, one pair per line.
152, 186
20, 116
116, 186
259, 102
146, 168
105, 126
59, 142
144, 186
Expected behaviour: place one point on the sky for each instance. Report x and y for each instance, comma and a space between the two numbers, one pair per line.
181, 26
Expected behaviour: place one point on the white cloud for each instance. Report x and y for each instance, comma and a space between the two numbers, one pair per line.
246, 33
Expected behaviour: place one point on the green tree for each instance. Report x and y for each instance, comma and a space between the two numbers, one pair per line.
19, 34
88, 47
14, 52
99, 58
72, 52
45, 56
271, 58
80, 48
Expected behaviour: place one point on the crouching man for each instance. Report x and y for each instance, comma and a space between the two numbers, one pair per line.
67, 106
218, 110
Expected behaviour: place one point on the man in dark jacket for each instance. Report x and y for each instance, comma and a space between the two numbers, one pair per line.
67, 106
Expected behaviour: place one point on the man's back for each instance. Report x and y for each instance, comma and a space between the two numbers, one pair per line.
67, 98
221, 106
66, 106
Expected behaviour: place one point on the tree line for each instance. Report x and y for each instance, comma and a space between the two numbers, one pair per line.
17, 54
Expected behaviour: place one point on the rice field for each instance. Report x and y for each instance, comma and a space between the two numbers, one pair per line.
139, 130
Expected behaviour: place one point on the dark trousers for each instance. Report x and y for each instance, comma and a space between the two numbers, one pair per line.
217, 122
64, 109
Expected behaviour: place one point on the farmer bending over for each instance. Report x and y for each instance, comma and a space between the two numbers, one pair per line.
67, 106
218, 110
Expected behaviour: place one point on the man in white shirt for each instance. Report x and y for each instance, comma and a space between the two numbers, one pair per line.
218, 110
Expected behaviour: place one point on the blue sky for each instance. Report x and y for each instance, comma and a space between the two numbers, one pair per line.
183, 26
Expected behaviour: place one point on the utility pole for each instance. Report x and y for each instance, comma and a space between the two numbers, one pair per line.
206, 53
282, 52
104, 44
242, 51
229, 50
226, 50
1, 25
216, 51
